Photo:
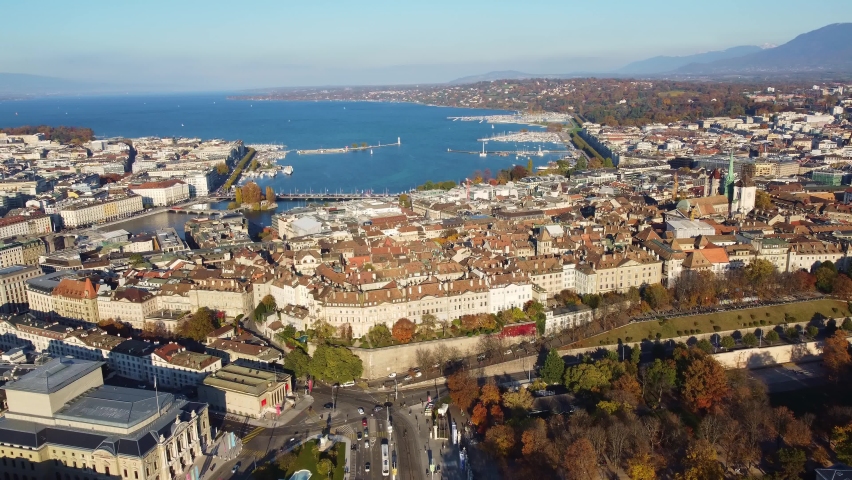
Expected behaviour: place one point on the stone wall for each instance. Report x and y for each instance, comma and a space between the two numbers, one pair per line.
379, 362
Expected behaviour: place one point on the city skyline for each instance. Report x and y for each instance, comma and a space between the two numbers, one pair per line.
195, 46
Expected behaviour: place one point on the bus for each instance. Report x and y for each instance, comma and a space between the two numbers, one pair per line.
385, 460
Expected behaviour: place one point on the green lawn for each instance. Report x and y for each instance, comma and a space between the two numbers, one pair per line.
341, 461
802, 311
305, 461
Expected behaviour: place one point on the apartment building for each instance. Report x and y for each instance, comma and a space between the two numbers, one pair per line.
13, 292
128, 305
81, 213
618, 272
163, 193
21, 226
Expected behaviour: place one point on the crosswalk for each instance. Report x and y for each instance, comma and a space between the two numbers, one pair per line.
347, 431
248, 452
257, 431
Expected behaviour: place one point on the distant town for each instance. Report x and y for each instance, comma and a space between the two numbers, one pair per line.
662, 278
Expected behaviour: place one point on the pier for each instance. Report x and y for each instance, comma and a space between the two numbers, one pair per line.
506, 153
322, 151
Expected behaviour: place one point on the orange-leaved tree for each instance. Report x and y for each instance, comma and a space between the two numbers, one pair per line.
835, 355
403, 330
463, 389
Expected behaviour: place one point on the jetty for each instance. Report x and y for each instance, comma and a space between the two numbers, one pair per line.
359, 148
507, 153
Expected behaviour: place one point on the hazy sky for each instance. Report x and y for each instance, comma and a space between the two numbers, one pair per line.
253, 44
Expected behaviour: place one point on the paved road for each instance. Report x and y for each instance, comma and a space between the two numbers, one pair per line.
791, 376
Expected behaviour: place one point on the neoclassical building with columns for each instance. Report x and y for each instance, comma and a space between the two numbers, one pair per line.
63, 423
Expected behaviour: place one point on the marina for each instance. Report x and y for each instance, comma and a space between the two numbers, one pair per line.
525, 137
518, 118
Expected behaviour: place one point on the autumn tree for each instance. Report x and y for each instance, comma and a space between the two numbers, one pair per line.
222, 168
490, 394
701, 464
657, 296
703, 382
640, 467
403, 330
463, 389
238, 196
762, 200
479, 415
553, 368
270, 195
580, 460
842, 286
197, 326
835, 355
521, 400
269, 303
500, 440
251, 193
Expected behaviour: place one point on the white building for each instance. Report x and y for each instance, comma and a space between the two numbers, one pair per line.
160, 194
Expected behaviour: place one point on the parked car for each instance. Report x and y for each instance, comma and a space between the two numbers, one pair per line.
544, 393
366, 444
236, 467
508, 352
407, 378
364, 422
392, 375
480, 357
358, 435
377, 408
418, 373
328, 405
367, 467
350, 383
360, 411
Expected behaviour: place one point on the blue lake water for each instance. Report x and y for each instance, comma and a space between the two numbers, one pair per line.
425, 131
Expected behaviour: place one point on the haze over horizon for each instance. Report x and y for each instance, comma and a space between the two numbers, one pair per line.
212, 46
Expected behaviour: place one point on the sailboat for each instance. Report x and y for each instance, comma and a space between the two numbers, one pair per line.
371, 151
483, 154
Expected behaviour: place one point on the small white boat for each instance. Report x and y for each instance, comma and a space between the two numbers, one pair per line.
288, 170
371, 151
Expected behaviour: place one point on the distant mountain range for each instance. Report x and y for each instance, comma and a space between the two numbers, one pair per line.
663, 64
828, 49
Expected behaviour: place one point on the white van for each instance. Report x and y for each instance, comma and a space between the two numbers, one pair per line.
350, 383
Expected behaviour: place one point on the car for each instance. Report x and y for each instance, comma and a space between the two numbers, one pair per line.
392, 375
377, 408
367, 467
360, 411
350, 383
544, 393
328, 405
407, 378
141, 385
366, 444
236, 467
415, 370
418, 374
508, 352
480, 357
366, 432
364, 422
358, 435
